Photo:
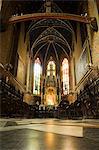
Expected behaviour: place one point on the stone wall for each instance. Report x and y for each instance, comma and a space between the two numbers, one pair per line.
22, 52
93, 37
5, 45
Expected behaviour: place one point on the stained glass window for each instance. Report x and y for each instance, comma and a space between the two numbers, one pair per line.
65, 76
37, 75
51, 68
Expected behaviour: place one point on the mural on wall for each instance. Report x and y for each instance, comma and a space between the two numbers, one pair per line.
82, 65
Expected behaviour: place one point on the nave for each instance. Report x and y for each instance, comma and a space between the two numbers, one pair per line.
49, 75
86, 105
49, 134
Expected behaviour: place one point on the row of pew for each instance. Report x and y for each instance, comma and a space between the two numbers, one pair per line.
86, 105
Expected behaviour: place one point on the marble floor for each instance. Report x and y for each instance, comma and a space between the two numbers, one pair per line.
49, 134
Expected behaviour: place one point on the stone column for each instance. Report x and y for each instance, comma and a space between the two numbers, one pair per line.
93, 35
28, 76
59, 88
42, 88
59, 80
31, 74
28, 96
29, 80
71, 74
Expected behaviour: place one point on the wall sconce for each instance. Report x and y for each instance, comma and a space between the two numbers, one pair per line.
8, 67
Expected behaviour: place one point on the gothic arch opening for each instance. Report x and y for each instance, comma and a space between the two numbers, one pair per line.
37, 76
50, 84
65, 76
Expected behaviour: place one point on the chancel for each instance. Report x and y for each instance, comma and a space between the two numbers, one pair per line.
49, 68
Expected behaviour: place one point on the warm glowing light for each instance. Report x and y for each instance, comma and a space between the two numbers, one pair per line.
50, 140
50, 99
37, 75
65, 74
51, 68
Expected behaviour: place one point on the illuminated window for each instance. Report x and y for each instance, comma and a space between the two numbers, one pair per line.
37, 75
65, 76
51, 68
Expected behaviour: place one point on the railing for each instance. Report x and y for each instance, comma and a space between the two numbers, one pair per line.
11, 79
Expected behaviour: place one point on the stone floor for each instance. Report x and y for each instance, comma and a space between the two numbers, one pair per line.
49, 134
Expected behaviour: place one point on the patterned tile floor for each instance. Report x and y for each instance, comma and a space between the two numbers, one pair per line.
49, 134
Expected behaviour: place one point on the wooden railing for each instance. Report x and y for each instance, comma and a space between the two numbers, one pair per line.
11, 79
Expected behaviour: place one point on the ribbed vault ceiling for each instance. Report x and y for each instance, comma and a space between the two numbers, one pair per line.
51, 37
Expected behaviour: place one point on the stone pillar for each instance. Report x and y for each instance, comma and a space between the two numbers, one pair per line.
28, 95
41, 91
42, 88
59, 80
31, 75
28, 88
59, 88
29, 80
71, 74
94, 36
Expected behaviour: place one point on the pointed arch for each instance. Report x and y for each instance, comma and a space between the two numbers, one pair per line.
51, 68
37, 76
65, 76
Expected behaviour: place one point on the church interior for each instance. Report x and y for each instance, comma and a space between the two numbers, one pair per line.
49, 69
49, 57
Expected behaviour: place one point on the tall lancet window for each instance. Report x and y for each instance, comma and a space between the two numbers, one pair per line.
51, 71
37, 75
65, 76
